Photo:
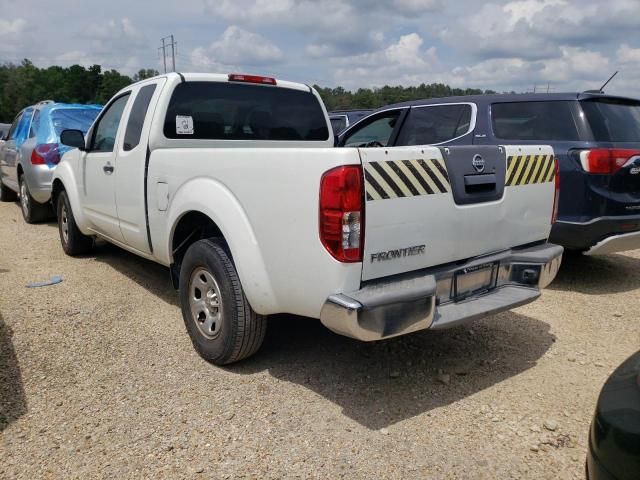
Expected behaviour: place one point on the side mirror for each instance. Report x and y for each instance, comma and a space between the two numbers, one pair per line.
73, 138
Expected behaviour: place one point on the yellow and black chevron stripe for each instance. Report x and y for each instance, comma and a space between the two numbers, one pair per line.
528, 169
405, 178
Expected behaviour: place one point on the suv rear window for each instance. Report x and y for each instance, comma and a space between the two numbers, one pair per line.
435, 124
534, 121
229, 111
613, 120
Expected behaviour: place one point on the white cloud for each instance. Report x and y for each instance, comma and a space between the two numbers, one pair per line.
627, 54
403, 62
539, 28
12, 27
237, 47
332, 27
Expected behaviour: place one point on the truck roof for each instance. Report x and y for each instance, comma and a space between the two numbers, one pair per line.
224, 77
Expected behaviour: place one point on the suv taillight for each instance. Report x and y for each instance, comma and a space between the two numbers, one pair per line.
342, 213
606, 160
45, 154
556, 196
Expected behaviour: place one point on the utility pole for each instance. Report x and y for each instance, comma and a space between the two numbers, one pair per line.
173, 53
174, 49
164, 55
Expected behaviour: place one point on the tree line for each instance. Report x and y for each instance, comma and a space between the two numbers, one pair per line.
340, 99
25, 84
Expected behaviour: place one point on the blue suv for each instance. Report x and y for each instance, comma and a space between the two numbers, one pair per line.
596, 138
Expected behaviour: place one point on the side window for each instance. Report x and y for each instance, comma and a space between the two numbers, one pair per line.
534, 121
33, 131
137, 116
435, 124
104, 135
375, 133
22, 132
12, 131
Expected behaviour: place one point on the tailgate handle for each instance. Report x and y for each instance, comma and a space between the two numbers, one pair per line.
480, 183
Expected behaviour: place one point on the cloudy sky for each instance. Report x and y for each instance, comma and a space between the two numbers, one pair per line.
501, 45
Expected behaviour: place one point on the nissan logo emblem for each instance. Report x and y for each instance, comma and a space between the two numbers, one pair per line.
478, 163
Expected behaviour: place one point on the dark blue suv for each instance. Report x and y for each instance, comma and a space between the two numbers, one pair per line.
596, 138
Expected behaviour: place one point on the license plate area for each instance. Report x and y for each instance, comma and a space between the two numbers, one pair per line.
474, 280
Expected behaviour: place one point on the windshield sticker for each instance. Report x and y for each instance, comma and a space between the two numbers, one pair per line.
184, 125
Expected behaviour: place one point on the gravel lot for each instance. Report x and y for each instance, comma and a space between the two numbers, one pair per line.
98, 379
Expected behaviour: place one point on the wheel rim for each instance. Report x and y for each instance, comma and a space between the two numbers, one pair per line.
205, 303
24, 198
64, 223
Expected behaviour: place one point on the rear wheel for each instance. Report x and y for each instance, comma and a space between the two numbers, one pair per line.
222, 325
32, 211
73, 241
6, 194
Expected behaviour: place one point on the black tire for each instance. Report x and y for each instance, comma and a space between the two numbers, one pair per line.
73, 241
6, 194
32, 211
240, 330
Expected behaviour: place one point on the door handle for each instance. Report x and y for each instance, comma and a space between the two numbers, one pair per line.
108, 168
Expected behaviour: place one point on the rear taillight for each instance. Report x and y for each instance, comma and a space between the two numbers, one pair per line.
342, 213
45, 154
556, 196
606, 160
239, 77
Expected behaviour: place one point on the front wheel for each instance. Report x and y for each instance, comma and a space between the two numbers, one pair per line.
222, 325
73, 241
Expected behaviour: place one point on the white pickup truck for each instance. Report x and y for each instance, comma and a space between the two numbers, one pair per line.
234, 183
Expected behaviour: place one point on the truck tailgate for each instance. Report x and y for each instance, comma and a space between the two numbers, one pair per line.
428, 206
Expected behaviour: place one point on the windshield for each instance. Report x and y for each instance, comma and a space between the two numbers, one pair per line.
613, 120
73, 119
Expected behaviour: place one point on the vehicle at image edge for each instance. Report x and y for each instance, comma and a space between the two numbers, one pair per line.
32, 151
4, 129
614, 437
342, 119
233, 182
596, 138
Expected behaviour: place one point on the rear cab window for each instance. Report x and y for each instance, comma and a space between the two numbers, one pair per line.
433, 124
612, 119
523, 121
230, 111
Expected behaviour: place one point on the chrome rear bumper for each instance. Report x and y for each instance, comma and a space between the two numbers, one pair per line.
426, 299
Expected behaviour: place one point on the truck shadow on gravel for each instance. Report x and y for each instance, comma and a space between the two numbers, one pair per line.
375, 384
616, 273
13, 402
149, 275
380, 384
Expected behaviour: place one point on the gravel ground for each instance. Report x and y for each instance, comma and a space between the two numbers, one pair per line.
98, 379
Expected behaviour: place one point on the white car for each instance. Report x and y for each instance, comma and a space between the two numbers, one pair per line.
232, 182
